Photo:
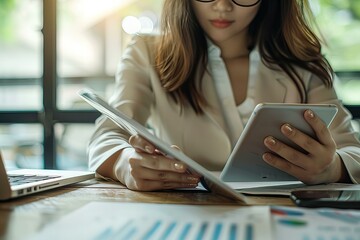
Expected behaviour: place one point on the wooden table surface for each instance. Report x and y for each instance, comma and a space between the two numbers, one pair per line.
22, 217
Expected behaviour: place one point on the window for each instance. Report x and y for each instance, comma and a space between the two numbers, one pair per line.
21, 55
339, 22
52, 48
49, 50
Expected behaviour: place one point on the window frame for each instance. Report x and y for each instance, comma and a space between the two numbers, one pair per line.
50, 114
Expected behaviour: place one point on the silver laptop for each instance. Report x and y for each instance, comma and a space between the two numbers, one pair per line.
23, 182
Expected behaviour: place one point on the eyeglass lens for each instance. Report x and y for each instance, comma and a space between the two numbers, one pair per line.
244, 3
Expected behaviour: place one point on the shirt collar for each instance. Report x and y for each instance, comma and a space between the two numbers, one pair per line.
213, 50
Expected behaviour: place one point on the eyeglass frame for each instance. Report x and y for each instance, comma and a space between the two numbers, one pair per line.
234, 1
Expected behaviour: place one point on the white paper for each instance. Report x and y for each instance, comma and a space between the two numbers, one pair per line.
315, 224
108, 220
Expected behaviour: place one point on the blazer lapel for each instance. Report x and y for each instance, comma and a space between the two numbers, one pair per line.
265, 84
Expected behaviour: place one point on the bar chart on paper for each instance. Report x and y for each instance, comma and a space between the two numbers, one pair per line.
149, 229
141, 221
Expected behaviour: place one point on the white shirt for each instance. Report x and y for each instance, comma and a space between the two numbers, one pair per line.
236, 116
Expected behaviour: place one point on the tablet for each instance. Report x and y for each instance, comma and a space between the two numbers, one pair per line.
245, 163
211, 182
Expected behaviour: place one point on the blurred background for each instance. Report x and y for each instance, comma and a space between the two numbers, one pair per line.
49, 49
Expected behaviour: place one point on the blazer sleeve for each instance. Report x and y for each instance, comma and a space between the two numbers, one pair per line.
132, 94
346, 138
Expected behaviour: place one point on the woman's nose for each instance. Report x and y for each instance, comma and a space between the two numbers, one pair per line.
223, 5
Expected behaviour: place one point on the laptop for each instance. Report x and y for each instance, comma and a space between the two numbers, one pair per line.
210, 181
22, 182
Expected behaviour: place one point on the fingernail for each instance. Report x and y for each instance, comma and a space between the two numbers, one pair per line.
271, 141
179, 166
288, 129
310, 113
267, 157
148, 149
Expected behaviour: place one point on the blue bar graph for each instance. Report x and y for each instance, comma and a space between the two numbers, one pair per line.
185, 231
181, 230
202, 231
130, 234
233, 232
128, 231
217, 231
168, 231
249, 232
152, 230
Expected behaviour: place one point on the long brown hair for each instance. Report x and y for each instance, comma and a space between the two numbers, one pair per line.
281, 30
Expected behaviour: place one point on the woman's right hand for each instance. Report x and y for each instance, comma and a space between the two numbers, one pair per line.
144, 168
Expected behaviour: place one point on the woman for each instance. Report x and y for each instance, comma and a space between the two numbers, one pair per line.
197, 83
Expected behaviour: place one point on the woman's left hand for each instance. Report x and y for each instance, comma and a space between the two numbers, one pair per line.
320, 165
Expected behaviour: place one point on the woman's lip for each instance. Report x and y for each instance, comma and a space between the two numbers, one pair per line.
221, 23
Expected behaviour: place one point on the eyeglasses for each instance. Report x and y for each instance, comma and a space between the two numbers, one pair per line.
241, 3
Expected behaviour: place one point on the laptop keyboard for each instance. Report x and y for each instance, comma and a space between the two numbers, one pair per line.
18, 179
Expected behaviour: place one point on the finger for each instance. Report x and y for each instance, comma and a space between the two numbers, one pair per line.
304, 141
173, 146
291, 169
140, 144
284, 165
291, 155
158, 162
189, 171
321, 130
164, 176
148, 185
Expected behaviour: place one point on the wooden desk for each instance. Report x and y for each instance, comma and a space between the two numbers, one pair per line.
22, 217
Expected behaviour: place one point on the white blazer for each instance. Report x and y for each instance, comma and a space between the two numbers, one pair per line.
139, 94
